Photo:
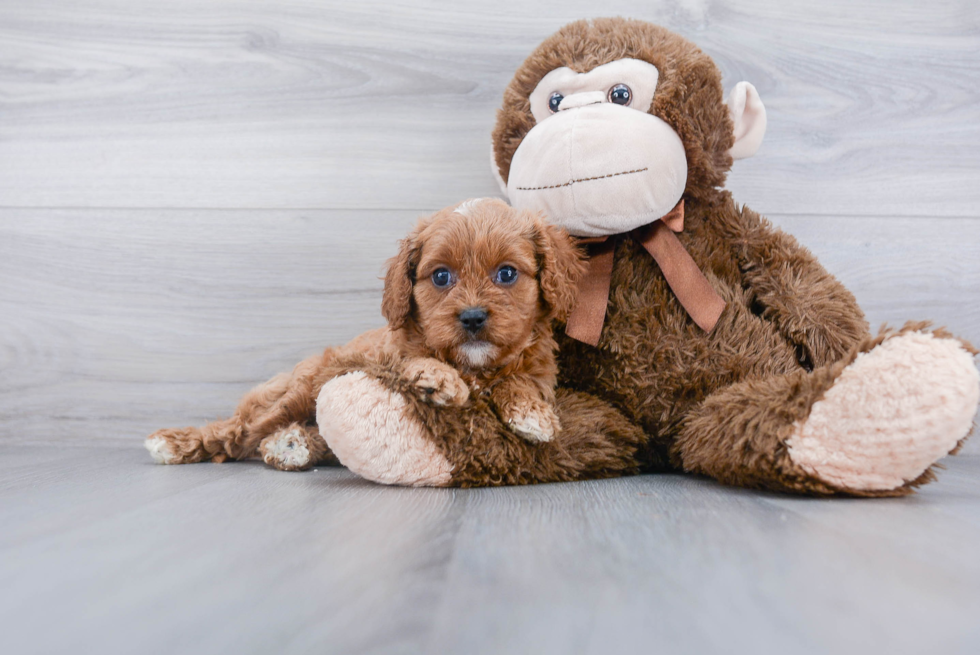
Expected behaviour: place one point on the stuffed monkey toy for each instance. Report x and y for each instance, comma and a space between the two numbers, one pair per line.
703, 339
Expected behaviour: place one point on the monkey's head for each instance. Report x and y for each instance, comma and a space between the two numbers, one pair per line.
610, 122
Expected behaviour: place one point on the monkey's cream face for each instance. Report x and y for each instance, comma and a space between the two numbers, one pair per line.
615, 147
597, 162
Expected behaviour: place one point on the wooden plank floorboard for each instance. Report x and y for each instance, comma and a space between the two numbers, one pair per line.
103, 551
691, 567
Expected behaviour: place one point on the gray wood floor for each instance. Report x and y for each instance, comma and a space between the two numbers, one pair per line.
104, 552
196, 194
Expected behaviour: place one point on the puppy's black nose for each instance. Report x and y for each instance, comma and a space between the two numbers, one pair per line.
473, 319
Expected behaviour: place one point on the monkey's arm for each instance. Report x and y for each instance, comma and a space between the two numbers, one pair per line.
808, 305
378, 425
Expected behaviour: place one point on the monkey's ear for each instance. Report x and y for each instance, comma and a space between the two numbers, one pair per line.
561, 265
396, 302
749, 116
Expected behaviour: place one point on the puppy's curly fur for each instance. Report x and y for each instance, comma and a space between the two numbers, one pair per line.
451, 263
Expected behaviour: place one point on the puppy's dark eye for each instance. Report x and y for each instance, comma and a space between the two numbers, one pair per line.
442, 277
554, 101
505, 275
620, 95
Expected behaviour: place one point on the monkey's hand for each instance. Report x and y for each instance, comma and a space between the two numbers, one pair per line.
437, 382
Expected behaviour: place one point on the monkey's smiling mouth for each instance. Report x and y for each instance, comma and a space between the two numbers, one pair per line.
584, 179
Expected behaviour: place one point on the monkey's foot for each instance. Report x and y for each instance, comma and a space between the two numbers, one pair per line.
371, 431
890, 415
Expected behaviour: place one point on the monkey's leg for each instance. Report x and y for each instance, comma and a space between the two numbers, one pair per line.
287, 399
870, 425
381, 426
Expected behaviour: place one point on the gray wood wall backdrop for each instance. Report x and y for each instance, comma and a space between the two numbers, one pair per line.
196, 194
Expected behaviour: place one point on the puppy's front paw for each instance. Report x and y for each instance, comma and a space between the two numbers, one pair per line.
439, 383
535, 420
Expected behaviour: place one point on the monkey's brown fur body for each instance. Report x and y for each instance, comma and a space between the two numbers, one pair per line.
783, 392
723, 403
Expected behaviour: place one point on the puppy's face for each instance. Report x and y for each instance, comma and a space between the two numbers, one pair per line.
477, 283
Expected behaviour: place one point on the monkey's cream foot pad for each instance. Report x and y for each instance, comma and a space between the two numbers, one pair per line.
891, 414
371, 432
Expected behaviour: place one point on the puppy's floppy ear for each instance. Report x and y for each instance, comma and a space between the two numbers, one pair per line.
396, 302
561, 264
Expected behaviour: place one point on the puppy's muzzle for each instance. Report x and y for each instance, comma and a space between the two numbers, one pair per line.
473, 319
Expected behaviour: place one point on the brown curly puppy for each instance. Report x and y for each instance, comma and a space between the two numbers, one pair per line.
470, 299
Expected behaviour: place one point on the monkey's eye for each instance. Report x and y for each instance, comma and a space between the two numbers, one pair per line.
442, 278
554, 101
620, 95
505, 275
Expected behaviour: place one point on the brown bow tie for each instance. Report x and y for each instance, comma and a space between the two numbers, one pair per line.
686, 280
